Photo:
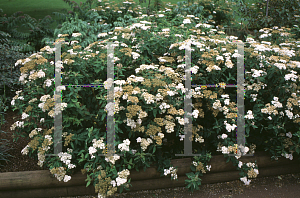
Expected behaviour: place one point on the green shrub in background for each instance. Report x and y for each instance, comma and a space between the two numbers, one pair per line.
9, 74
257, 14
28, 42
149, 104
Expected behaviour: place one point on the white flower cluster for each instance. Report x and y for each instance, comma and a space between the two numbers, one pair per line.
288, 156
66, 158
199, 139
124, 145
32, 100
173, 172
164, 106
24, 116
159, 97
244, 179
96, 144
34, 132
217, 105
76, 34
135, 55
181, 137
112, 159
224, 136
229, 127
25, 150
17, 124
181, 87
289, 134
122, 178
249, 115
131, 123
169, 126
142, 114
180, 120
148, 97
195, 113
196, 164
46, 147
16, 97
144, 143
48, 82
61, 175
240, 164
143, 67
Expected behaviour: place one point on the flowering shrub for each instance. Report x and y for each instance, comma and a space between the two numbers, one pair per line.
149, 96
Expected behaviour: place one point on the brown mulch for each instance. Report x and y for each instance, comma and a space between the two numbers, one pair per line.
17, 162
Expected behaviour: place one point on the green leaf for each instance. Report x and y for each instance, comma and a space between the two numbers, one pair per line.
88, 184
298, 150
154, 112
129, 166
189, 184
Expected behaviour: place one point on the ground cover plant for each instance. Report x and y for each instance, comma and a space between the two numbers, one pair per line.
149, 79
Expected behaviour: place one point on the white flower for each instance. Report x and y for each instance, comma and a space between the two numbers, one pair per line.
24, 116
41, 74
92, 150
180, 120
161, 135
120, 181
224, 136
289, 134
139, 139
224, 150
25, 150
48, 82
149, 140
244, 179
181, 137
246, 149
44, 98
133, 151
123, 147
113, 183
240, 164
186, 21
171, 93
200, 140
67, 178
256, 171
76, 34
229, 128
208, 167
127, 141
250, 164
166, 172
195, 113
